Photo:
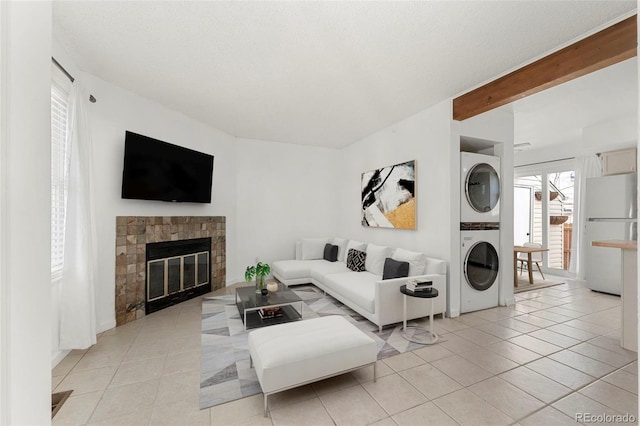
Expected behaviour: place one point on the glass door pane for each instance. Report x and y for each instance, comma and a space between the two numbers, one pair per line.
560, 225
522, 209
155, 280
189, 270
203, 268
174, 274
527, 187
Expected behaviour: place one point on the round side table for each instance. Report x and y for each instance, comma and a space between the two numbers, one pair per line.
431, 294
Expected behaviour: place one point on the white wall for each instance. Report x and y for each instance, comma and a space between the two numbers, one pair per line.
25, 268
619, 133
117, 110
426, 138
284, 192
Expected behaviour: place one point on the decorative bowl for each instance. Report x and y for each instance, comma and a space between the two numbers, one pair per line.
272, 287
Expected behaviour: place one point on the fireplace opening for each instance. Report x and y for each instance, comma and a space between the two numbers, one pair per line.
176, 271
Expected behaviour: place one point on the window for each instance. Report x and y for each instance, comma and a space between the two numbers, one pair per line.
59, 181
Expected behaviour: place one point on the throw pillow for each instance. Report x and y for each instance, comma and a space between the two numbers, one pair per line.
313, 248
395, 269
356, 260
342, 246
330, 252
417, 261
375, 258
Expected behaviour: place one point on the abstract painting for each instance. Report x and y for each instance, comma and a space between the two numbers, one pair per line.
388, 197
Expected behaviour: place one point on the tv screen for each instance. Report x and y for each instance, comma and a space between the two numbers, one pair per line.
156, 170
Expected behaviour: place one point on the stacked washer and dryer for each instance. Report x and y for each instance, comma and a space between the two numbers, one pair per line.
479, 231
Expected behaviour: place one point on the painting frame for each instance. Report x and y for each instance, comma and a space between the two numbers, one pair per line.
388, 197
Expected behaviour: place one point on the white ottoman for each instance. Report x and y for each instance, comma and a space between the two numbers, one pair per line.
293, 354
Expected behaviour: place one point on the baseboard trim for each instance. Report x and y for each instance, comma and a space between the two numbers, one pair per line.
233, 281
510, 301
106, 325
57, 357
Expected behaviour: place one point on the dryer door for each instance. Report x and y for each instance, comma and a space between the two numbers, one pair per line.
481, 266
482, 187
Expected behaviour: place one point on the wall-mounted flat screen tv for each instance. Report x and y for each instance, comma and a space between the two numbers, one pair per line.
156, 170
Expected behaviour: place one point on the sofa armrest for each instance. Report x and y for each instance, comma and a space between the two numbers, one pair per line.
435, 266
388, 302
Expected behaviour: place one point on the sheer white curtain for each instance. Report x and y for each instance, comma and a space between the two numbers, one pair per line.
77, 306
586, 166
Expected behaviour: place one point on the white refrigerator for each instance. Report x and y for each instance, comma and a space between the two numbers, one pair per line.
611, 212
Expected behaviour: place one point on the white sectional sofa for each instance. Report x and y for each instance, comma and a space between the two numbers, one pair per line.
378, 300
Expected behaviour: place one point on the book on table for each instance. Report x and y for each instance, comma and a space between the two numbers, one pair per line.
268, 313
415, 286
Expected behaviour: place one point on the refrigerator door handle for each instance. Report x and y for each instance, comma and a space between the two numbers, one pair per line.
612, 219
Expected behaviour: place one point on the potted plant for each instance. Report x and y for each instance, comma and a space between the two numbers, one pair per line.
259, 271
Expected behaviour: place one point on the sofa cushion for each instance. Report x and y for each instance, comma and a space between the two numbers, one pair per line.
375, 258
342, 248
353, 244
395, 269
322, 268
330, 252
313, 248
356, 260
294, 269
287, 355
359, 288
417, 261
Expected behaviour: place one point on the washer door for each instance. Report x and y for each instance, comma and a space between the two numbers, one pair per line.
481, 266
482, 187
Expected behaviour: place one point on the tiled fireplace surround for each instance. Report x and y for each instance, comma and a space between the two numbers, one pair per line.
132, 235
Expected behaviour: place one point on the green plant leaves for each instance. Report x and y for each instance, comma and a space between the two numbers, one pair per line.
249, 273
260, 270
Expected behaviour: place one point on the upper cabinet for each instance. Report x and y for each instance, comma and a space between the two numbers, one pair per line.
619, 162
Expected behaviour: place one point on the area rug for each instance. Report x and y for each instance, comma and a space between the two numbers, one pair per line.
225, 374
523, 284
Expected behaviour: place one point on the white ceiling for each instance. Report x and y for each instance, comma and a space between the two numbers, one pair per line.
317, 73
559, 114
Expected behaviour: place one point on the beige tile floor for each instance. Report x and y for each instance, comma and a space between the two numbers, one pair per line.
552, 355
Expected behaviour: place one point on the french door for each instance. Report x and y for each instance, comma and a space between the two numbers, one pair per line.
544, 211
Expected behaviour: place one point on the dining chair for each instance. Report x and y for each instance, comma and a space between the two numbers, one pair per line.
535, 257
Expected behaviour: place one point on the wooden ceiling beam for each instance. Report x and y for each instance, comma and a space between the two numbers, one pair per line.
607, 47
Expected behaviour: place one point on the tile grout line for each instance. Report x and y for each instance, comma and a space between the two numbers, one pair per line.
547, 356
577, 390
